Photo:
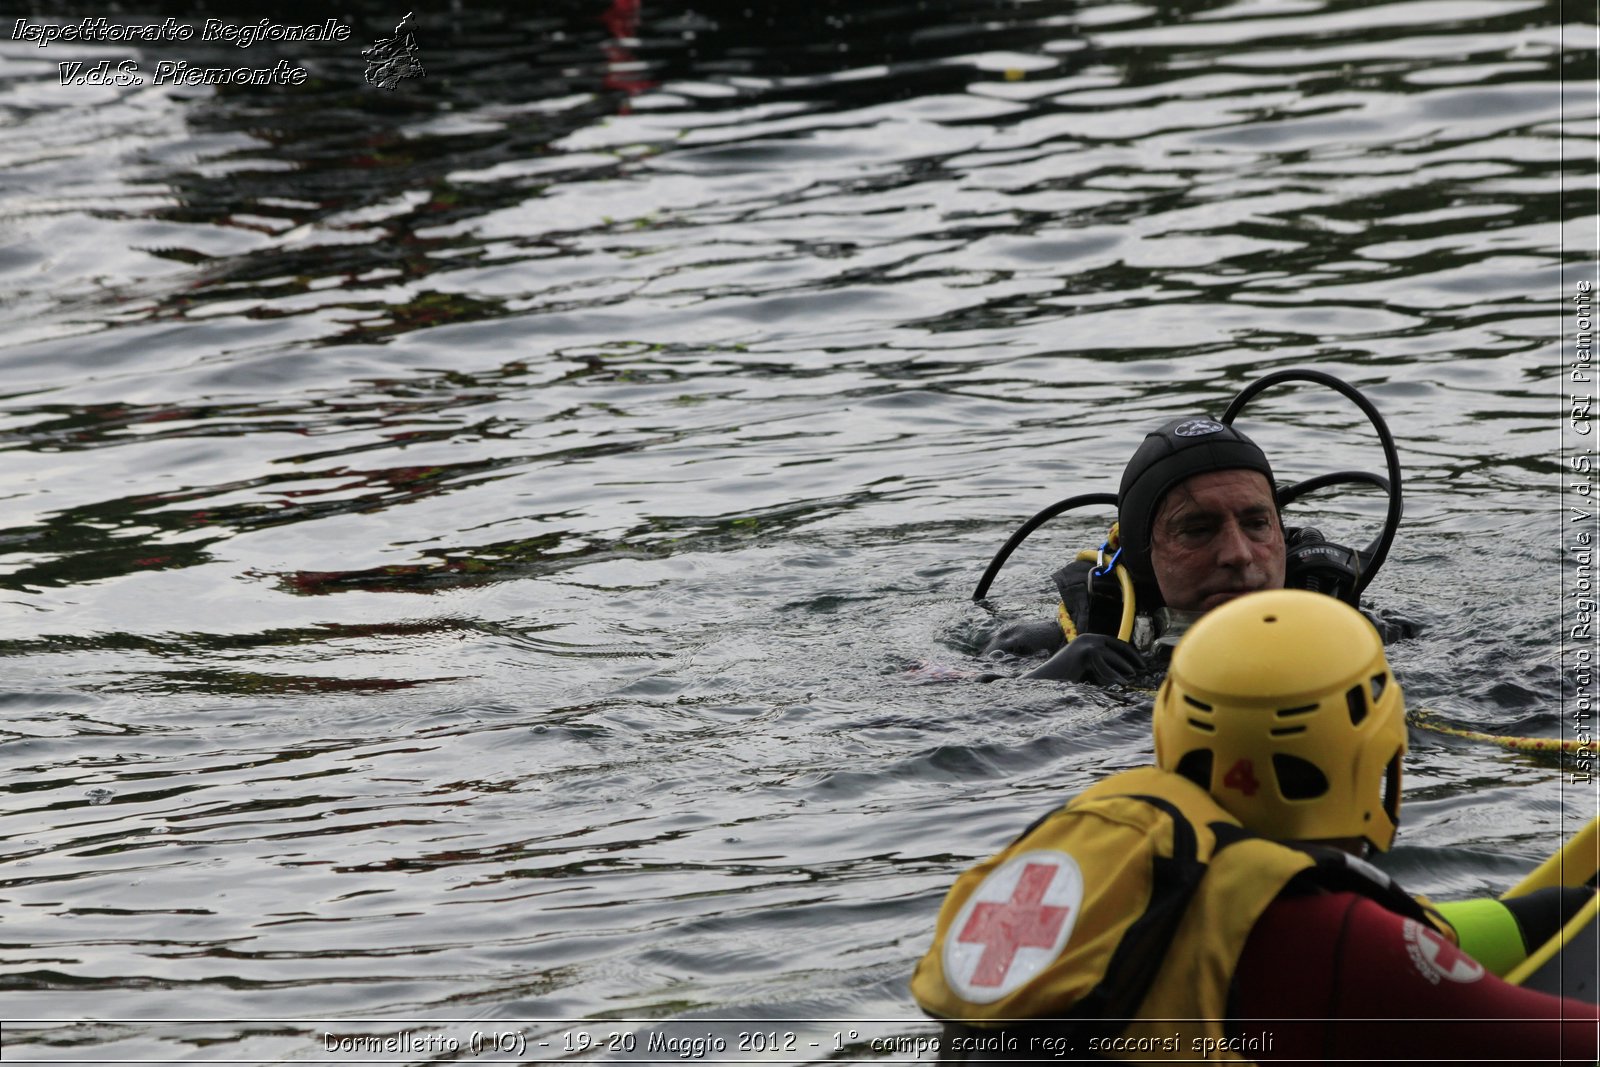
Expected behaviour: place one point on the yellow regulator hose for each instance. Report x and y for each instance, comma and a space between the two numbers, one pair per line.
1125, 627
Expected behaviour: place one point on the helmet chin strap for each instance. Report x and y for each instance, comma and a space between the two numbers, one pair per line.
1359, 847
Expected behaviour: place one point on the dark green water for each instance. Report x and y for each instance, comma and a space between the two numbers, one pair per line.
462, 546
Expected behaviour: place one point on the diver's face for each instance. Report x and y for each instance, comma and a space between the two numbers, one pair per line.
1216, 537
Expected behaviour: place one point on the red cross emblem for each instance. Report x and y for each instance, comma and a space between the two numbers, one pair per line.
1437, 955
1013, 925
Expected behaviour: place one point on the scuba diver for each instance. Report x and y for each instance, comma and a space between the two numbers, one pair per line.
1161, 911
1198, 524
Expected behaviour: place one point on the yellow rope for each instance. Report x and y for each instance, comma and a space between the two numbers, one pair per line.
1063, 616
1065, 619
1428, 720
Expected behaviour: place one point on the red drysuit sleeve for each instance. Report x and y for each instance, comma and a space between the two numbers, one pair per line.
1361, 982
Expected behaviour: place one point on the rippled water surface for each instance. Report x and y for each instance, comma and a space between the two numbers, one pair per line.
463, 546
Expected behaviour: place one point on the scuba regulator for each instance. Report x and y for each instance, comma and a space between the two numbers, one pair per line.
1311, 562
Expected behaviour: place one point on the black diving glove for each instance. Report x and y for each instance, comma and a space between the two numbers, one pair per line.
1096, 658
1391, 627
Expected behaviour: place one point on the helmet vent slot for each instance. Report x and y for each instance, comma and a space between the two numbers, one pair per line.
1199, 724
1192, 702
1196, 766
1298, 779
1379, 683
1356, 698
1286, 731
1391, 789
1300, 710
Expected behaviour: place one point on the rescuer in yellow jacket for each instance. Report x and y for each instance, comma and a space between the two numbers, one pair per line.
1159, 912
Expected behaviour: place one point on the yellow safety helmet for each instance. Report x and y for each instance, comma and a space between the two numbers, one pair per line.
1281, 705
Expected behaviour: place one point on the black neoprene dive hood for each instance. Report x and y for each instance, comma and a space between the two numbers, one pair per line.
1178, 450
